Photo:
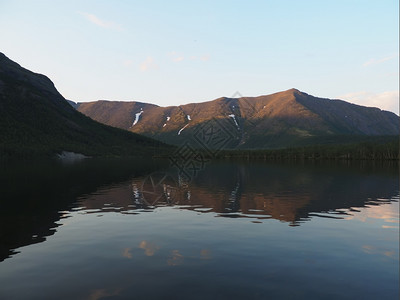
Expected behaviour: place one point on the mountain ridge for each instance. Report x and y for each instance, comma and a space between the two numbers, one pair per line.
277, 120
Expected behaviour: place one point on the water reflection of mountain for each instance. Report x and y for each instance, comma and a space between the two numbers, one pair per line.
33, 198
34, 195
287, 193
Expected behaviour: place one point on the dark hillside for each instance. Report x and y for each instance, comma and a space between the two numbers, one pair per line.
36, 120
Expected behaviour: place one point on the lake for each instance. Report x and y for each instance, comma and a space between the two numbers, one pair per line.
138, 229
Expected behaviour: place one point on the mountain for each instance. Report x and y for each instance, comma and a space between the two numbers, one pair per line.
289, 118
36, 120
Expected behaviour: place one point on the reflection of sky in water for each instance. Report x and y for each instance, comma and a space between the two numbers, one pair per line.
149, 248
141, 255
387, 215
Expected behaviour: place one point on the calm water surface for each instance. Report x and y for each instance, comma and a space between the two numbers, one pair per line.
136, 230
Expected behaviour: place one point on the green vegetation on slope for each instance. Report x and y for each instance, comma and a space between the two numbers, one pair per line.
370, 148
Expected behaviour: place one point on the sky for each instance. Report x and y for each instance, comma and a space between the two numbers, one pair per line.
177, 52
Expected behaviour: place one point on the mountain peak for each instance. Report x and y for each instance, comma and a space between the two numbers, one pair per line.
11, 69
295, 91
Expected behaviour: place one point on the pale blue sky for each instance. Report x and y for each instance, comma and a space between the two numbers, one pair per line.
175, 52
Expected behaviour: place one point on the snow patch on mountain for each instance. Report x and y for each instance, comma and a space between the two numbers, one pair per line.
179, 132
137, 117
234, 119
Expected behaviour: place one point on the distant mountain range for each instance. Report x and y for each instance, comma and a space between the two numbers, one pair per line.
36, 120
289, 118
